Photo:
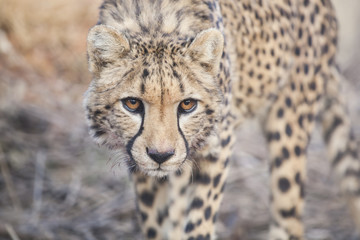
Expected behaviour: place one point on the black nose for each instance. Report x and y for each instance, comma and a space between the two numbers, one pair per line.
159, 157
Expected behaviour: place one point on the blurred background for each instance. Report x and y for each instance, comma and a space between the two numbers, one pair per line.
56, 184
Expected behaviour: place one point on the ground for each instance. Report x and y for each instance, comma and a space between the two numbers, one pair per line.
56, 184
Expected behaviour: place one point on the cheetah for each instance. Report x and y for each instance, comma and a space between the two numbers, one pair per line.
173, 79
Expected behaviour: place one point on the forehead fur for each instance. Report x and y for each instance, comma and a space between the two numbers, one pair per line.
159, 72
157, 17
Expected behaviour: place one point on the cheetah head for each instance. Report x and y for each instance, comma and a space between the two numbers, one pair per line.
153, 101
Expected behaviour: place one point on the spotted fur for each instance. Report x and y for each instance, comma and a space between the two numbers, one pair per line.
230, 60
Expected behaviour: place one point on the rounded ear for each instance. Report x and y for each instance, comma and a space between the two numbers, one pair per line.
207, 49
104, 45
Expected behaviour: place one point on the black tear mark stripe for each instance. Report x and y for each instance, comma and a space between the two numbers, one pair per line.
183, 136
130, 144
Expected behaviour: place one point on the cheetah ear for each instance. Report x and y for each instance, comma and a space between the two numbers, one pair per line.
207, 49
105, 45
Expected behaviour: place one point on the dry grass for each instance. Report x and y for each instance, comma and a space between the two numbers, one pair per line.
55, 184
50, 35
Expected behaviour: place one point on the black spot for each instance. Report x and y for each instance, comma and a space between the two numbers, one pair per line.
288, 213
302, 190
297, 151
310, 117
226, 162
297, 51
209, 194
223, 187
278, 61
189, 227
292, 237
300, 33
288, 101
176, 75
147, 198
200, 237
300, 121
97, 112
217, 180
285, 153
284, 184
317, 9
226, 141
306, 3
183, 190
144, 216
207, 213
325, 49
278, 162
216, 197
306, 69
142, 88
145, 73
214, 218
293, 86
197, 203
99, 133
151, 233
310, 41
302, 17
282, 31
276, 136
160, 218
211, 158
297, 178
209, 111
312, 86
280, 113
288, 130
312, 18
107, 107
274, 35
202, 178
323, 29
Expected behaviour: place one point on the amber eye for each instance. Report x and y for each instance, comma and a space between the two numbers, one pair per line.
132, 105
187, 106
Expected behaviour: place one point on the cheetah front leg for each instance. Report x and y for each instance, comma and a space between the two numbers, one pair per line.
162, 203
185, 205
205, 195
288, 127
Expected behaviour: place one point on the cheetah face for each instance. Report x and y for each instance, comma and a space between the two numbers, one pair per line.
155, 104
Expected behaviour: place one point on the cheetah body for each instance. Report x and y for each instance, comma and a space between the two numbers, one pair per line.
229, 61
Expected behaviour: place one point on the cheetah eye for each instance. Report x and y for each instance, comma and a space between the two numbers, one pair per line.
187, 106
133, 105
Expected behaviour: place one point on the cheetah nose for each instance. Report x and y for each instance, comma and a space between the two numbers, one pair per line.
159, 157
